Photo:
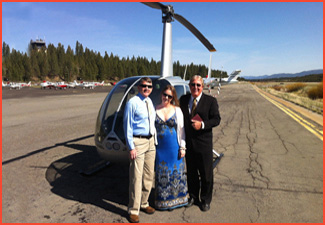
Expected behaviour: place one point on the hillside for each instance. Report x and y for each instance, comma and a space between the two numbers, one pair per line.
284, 75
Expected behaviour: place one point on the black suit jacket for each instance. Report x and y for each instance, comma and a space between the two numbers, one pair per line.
208, 109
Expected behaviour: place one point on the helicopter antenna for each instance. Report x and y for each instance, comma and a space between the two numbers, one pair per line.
167, 18
185, 72
209, 72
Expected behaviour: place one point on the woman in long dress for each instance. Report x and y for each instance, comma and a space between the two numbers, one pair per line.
170, 183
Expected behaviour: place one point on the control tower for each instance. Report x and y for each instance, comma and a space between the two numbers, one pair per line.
37, 44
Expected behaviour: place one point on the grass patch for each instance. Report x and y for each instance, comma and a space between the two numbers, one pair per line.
309, 96
277, 87
294, 87
316, 92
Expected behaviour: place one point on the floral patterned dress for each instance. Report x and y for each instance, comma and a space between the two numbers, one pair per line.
170, 183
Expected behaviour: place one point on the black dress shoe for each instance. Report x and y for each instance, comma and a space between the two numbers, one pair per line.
205, 207
190, 202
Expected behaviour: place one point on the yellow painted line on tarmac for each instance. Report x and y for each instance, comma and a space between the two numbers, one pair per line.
292, 113
318, 133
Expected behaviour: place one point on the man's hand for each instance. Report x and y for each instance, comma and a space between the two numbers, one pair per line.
181, 153
133, 154
196, 124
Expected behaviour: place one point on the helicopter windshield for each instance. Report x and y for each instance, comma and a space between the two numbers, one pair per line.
112, 109
158, 84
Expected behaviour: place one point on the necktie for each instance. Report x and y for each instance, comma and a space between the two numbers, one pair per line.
149, 116
193, 110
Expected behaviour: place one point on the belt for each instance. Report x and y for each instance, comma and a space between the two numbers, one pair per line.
143, 136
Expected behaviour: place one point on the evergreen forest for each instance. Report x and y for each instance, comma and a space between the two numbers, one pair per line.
58, 63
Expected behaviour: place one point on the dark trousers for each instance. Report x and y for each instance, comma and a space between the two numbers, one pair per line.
200, 175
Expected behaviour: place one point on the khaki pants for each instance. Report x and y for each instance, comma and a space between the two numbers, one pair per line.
141, 174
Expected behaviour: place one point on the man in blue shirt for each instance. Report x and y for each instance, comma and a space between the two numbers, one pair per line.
139, 130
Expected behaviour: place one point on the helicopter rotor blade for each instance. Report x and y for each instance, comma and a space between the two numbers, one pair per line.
155, 5
195, 31
169, 9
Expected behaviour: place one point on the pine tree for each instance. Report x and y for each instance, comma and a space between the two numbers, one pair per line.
53, 60
5, 51
61, 60
43, 63
27, 68
34, 64
69, 64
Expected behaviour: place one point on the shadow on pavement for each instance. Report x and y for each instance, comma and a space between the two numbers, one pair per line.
107, 185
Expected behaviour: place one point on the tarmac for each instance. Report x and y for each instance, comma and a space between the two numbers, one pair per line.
271, 171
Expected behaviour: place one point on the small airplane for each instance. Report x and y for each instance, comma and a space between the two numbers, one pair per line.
60, 85
111, 83
15, 85
5, 85
90, 85
47, 84
54, 85
232, 77
99, 84
73, 84
109, 133
211, 82
25, 84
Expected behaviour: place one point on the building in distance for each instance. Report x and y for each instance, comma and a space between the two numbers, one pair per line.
37, 44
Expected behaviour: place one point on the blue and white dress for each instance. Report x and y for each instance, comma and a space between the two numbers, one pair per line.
170, 184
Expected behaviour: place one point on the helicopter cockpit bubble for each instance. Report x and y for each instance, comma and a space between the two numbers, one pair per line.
109, 133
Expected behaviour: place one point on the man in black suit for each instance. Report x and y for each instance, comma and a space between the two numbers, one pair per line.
199, 155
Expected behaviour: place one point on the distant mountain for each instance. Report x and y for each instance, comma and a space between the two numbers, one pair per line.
281, 75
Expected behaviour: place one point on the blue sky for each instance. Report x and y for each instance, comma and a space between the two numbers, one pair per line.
258, 38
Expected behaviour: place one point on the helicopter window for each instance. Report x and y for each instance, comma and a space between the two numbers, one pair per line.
158, 85
113, 107
188, 91
119, 119
112, 103
179, 90
115, 99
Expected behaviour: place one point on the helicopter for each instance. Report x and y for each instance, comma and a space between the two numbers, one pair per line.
109, 133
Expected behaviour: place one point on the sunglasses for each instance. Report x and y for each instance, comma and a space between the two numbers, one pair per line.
168, 96
193, 85
148, 86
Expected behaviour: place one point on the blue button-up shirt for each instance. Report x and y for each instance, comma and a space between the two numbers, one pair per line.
136, 120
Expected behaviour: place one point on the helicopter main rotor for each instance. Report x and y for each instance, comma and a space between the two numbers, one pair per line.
168, 16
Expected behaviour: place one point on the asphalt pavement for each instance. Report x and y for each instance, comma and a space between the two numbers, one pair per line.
271, 171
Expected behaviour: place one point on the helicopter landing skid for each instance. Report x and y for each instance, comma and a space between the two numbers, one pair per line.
217, 159
92, 169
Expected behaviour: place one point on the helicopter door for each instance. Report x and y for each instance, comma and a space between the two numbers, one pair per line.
155, 97
107, 114
119, 117
180, 90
